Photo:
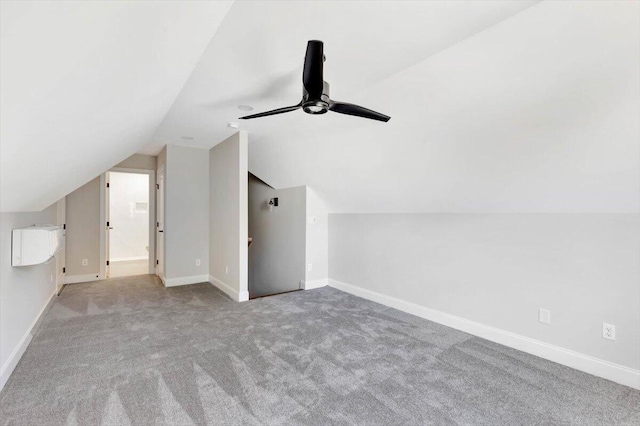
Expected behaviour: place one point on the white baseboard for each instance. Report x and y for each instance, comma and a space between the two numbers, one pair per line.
310, 285
195, 279
595, 366
18, 351
242, 296
74, 279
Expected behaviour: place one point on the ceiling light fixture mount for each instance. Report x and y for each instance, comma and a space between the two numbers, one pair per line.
233, 125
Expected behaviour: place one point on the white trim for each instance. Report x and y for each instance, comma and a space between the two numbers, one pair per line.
242, 296
243, 216
152, 213
75, 279
595, 366
195, 279
18, 351
103, 226
310, 285
160, 172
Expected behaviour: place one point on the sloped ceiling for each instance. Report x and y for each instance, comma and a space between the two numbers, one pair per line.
496, 106
83, 85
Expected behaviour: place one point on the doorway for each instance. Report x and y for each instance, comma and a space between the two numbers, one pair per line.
128, 215
277, 227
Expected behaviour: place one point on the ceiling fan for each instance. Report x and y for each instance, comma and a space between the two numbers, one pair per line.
315, 91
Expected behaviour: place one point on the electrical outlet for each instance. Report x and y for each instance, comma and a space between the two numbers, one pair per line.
608, 331
310, 267
226, 270
85, 262
544, 316
197, 262
313, 220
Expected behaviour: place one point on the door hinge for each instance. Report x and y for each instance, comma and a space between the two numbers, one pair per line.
107, 223
107, 263
64, 270
157, 224
157, 262
107, 184
64, 226
157, 186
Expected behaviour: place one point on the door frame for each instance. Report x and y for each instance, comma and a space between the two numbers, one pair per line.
108, 227
152, 217
160, 252
61, 219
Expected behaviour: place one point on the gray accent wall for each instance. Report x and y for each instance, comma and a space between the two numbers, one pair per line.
499, 269
83, 230
83, 221
24, 291
228, 215
277, 253
139, 161
186, 206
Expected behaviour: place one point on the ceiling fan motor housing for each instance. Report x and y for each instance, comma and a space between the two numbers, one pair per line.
317, 106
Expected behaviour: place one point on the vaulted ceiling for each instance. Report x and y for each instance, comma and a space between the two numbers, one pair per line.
83, 85
496, 106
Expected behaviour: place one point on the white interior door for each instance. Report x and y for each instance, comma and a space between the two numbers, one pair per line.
160, 224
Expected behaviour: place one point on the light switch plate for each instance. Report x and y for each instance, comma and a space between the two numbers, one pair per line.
544, 316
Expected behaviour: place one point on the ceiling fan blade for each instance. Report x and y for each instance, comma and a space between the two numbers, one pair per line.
312, 78
351, 109
272, 112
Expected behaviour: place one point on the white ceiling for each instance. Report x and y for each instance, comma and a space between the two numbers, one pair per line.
85, 84
258, 52
496, 106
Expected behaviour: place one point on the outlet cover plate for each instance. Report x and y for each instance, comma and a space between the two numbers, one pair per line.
608, 331
544, 316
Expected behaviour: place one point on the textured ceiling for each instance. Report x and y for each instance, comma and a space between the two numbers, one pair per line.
496, 106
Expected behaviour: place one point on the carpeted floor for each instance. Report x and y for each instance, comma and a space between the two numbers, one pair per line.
129, 351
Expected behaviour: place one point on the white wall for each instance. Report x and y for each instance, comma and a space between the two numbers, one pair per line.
186, 227
25, 291
228, 215
277, 253
129, 238
317, 241
499, 269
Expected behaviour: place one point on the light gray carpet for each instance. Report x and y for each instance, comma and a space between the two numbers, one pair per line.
129, 351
